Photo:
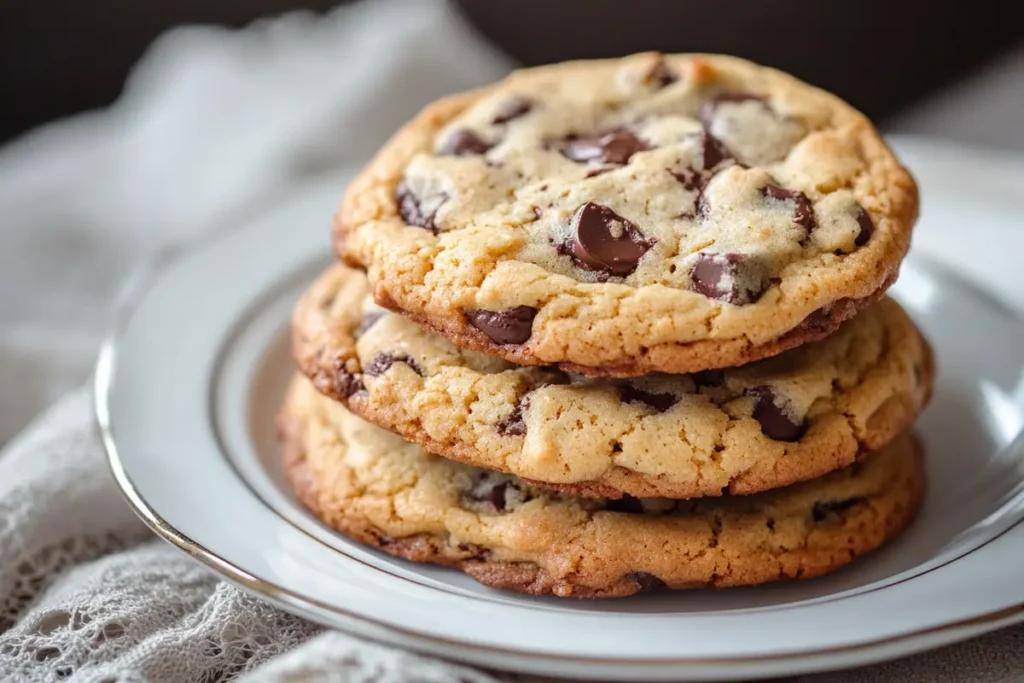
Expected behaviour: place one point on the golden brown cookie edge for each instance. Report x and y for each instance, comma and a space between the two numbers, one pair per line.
324, 366
864, 535
373, 189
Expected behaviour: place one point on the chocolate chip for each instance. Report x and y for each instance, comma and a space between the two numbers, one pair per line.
648, 581
658, 401
712, 151
694, 181
690, 178
598, 171
514, 424
496, 495
493, 489
512, 108
604, 240
463, 142
410, 207
708, 378
612, 148
867, 228
824, 510
712, 155
804, 210
819, 321
345, 383
775, 423
734, 278
627, 503
660, 74
369, 320
382, 362
513, 326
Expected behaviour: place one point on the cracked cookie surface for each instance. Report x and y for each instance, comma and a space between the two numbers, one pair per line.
378, 489
785, 419
653, 213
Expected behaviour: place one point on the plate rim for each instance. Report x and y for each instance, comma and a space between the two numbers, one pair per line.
1013, 499
279, 594
307, 607
133, 294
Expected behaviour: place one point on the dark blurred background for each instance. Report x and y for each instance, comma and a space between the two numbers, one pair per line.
58, 57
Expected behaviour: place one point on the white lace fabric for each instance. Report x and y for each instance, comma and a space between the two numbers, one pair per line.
87, 594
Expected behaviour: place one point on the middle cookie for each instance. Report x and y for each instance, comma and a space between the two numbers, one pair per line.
794, 417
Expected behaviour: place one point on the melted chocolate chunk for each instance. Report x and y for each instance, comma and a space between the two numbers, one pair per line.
598, 171
369, 320
694, 181
382, 362
612, 148
346, 383
493, 489
824, 510
658, 401
410, 207
690, 178
512, 108
820, 320
734, 278
514, 424
513, 326
775, 423
463, 142
712, 155
648, 582
803, 209
627, 503
867, 228
712, 151
605, 241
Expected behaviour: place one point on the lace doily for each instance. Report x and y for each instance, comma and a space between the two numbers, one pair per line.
87, 594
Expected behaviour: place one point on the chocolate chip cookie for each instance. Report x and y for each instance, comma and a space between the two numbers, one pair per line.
378, 489
789, 418
616, 217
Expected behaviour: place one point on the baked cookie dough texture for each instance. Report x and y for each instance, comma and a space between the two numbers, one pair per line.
653, 213
617, 325
781, 420
373, 486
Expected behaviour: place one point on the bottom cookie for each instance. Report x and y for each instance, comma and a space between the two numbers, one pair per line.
379, 489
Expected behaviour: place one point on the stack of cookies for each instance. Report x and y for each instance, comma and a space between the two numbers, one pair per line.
617, 325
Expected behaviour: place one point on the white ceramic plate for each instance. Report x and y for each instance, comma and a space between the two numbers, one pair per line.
188, 386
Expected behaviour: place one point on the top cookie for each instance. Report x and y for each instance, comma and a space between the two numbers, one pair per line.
652, 213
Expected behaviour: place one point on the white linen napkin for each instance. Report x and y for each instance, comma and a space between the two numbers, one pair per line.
214, 126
